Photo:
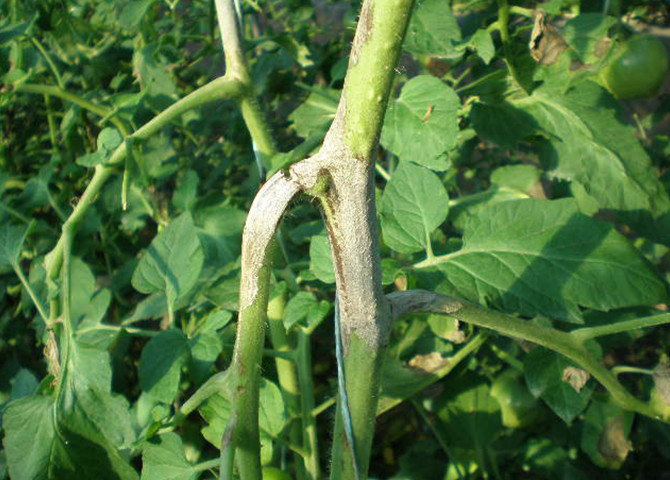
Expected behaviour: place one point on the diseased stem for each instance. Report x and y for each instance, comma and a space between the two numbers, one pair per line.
561, 342
265, 213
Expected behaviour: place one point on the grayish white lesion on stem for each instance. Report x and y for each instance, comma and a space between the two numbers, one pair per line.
265, 214
422, 301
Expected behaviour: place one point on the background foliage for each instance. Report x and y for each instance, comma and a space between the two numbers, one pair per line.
519, 185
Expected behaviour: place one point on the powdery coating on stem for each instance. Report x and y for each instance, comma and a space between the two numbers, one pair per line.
352, 228
265, 213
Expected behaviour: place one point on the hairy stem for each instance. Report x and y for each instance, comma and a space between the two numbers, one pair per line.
287, 374
262, 222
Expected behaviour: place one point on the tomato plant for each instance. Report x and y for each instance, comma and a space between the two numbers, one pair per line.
344, 239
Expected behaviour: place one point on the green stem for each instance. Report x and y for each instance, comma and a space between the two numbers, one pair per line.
619, 369
70, 97
564, 343
53, 136
49, 60
319, 409
208, 465
374, 54
382, 172
287, 374
33, 297
587, 333
525, 12
258, 129
218, 89
245, 371
306, 382
503, 20
506, 357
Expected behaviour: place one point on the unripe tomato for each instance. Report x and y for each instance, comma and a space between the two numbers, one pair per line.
518, 407
271, 473
637, 68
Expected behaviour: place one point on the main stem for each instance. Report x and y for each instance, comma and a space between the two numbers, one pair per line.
347, 199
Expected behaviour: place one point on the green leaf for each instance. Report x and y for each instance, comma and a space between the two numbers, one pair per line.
154, 75
422, 124
78, 449
91, 159
217, 410
186, 193
14, 30
304, 306
89, 304
271, 415
108, 139
215, 321
544, 372
133, 13
225, 292
605, 433
433, 30
523, 178
161, 363
29, 434
159, 156
583, 33
321, 260
550, 460
589, 145
414, 204
544, 257
24, 383
313, 117
172, 263
220, 232
163, 458
11, 241
391, 269
89, 367
205, 349
483, 45
469, 416
502, 124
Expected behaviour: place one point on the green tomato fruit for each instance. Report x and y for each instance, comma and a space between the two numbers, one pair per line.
518, 407
637, 68
271, 473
